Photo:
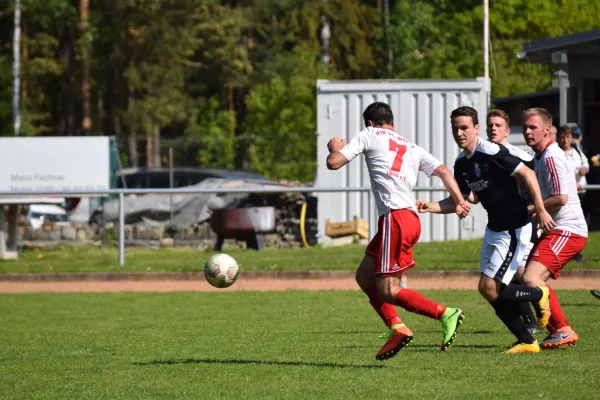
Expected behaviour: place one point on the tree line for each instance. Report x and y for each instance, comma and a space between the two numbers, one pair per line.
232, 83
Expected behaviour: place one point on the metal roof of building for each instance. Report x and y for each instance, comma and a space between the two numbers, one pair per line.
540, 51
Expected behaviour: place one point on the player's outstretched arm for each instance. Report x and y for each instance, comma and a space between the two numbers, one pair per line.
445, 206
335, 159
461, 207
527, 176
551, 203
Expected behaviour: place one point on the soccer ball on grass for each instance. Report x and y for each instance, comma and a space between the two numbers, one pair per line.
221, 270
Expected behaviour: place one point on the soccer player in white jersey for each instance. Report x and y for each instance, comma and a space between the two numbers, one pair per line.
489, 173
394, 163
556, 176
566, 142
498, 130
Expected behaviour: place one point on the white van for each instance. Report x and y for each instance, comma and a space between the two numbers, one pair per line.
40, 214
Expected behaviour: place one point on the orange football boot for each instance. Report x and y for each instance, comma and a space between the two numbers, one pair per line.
399, 337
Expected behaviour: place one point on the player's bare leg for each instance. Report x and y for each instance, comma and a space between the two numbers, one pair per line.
536, 274
399, 336
488, 287
365, 274
365, 277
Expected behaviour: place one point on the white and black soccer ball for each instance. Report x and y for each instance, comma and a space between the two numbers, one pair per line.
221, 270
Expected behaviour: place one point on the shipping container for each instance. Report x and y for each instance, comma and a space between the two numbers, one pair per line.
422, 115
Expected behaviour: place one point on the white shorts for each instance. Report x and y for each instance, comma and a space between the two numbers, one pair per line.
502, 252
526, 254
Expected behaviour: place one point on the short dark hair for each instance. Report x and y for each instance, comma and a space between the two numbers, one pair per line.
466, 111
379, 113
563, 131
500, 114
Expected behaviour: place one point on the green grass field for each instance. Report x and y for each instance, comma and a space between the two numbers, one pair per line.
274, 345
452, 255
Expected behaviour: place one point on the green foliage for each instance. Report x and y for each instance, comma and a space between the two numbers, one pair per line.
438, 39
162, 45
213, 127
282, 120
232, 83
219, 49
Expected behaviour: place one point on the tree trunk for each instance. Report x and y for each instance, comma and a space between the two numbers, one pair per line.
24, 59
68, 95
156, 137
134, 158
86, 107
149, 151
132, 139
132, 147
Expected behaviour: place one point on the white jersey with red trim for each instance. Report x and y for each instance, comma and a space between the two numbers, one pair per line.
556, 176
393, 163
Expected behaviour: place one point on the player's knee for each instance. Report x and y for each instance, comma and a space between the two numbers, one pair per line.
488, 290
358, 277
365, 274
489, 295
530, 280
362, 281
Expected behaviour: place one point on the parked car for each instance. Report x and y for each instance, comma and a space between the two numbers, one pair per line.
40, 214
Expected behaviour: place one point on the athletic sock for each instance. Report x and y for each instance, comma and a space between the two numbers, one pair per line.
386, 311
509, 315
527, 314
417, 303
557, 317
514, 292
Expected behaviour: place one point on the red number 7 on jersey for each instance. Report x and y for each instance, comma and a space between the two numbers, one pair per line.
400, 150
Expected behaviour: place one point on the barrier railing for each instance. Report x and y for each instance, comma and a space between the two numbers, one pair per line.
274, 189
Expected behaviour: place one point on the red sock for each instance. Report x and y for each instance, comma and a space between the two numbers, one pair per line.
557, 319
386, 311
417, 303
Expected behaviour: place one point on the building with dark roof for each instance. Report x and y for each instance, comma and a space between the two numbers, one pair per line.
575, 97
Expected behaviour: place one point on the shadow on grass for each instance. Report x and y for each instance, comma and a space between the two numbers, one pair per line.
424, 347
254, 362
460, 332
430, 347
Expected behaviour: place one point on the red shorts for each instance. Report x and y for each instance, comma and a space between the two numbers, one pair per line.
397, 233
556, 249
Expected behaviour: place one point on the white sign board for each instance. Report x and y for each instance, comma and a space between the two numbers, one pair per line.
54, 164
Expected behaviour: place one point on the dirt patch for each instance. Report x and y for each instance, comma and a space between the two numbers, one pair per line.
267, 284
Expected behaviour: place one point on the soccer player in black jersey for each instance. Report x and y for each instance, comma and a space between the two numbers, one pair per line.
490, 173
498, 130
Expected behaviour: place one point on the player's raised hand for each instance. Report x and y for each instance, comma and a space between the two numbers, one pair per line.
335, 144
546, 221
